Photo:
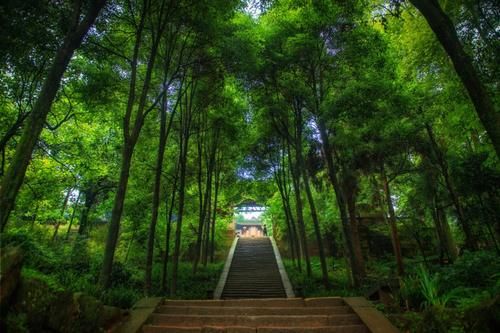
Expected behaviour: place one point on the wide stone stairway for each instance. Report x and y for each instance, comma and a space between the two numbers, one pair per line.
254, 271
296, 315
255, 296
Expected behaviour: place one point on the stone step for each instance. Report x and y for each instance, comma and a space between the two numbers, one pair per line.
253, 311
254, 321
240, 329
247, 302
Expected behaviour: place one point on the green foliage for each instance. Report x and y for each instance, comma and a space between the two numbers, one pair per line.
313, 287
16, 323
472, 270
429, 288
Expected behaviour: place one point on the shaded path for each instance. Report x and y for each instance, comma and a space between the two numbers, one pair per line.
254, 271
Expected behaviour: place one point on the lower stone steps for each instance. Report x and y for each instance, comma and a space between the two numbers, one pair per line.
294, 315
242, 329
254, 321
253, 311
272, 315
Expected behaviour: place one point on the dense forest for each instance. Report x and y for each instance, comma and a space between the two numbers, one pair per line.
130, 129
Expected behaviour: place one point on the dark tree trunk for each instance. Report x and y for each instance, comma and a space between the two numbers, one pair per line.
114, 223
357, 267
186, 115
131, 135
354, 229
299, 212
396, 245
218, 170
164, 132
286, 209
63, 209
90, 197
445, 32
315, 219
206, 240
168, 230
178, 231
14, 177
470, 239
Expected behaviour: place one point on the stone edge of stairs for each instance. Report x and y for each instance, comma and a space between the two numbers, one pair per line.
373, 319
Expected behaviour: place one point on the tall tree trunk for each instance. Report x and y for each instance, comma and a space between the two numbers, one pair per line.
186, 113
289, 219
396, 245
14, 177
470, 239
84, 215
286, 190
354, 229
357, 267
77, 201
206, 240
218, 170
114, 224
169, 210
131, 135
445, 32
178, 231
299, 212
63, 209
156, 197
449, 241
164, 133
317, 230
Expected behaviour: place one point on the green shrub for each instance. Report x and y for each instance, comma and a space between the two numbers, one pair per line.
472, 270
121, 296
16, 323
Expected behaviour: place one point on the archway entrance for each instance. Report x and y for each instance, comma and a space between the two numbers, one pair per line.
248, 219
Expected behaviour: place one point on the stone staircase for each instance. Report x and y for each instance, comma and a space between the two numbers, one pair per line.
254, 272
255, 296
295, 315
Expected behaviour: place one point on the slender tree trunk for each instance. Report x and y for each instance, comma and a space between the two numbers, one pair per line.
63, 209
131, 136
73, 213
207, 228
184, 135
396, 245
443, 250
470, 240
286, 191
299, 212
170, 211
354, 230
164, 132
356, 266
317, 230
289, 219
156, 200
218, 171
14, 177
445, 32
178, 231
451, 246
114, 224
